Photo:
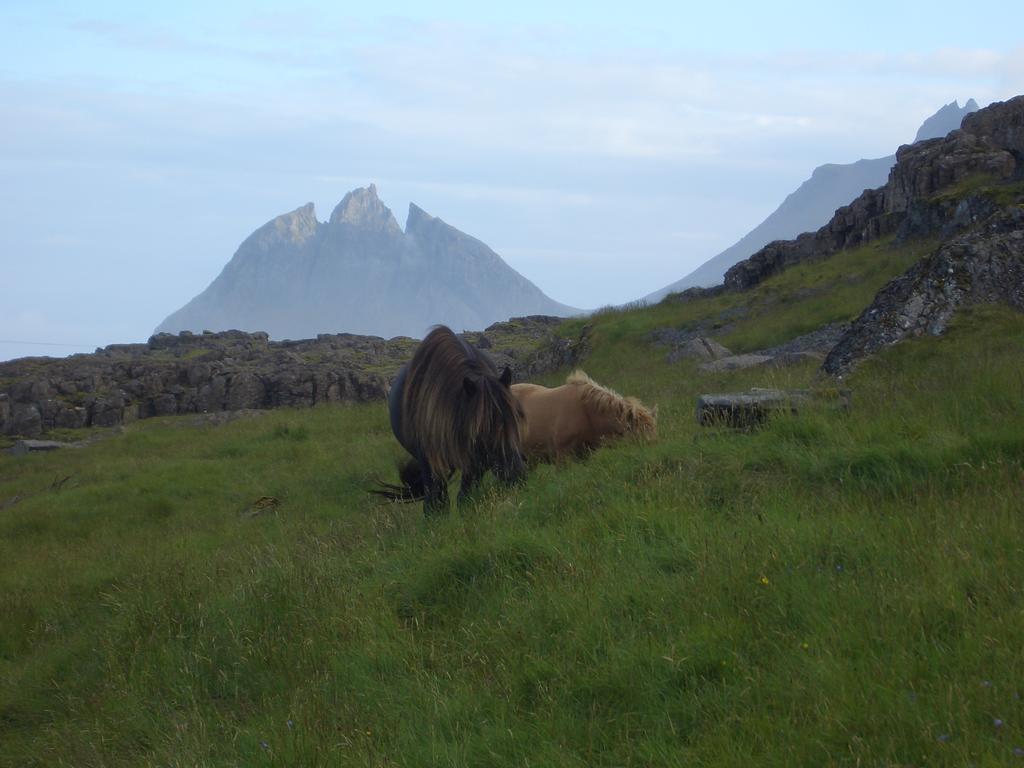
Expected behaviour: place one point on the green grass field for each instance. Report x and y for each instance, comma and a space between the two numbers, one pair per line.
833, 589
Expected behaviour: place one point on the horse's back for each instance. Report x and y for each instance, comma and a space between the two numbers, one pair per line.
555, 419
524, 391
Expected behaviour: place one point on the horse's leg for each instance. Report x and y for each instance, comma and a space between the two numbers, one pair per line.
470, 479
435, 501
565, 449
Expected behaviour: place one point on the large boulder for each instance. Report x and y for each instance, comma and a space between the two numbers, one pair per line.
754, 407
698, 348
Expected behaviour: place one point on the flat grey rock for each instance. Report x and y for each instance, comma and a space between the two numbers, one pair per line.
794, 358
735, 363
22, 447
697, 348
748, 409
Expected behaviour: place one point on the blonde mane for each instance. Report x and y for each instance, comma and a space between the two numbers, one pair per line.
634, 415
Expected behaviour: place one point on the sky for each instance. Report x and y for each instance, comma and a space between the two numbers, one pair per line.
604, 150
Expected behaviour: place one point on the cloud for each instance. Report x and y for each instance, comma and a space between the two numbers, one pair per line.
1011, 78
681, 108
536, 89
164, 39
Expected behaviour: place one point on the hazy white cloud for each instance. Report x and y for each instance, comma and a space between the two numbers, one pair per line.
1011, 78
638, 106
468, 85
166, 40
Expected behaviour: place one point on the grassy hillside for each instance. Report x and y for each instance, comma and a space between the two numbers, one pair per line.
830, 590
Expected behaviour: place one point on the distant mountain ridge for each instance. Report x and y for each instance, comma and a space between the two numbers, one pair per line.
814, 202
358, 272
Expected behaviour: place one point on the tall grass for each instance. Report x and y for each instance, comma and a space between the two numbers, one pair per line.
834, 589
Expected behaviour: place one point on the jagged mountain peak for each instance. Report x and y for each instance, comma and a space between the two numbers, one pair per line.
946, 119
417, 218
360, 273
363, 208
294, 227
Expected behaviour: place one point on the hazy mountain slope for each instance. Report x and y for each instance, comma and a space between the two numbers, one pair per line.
947, 119
813, 203
359, 272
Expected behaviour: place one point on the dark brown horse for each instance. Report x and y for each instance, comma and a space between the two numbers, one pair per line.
452, 411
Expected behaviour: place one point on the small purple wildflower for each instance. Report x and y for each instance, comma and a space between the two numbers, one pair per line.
1018, 751
997, 722
290, 725
943, 737
839, 567
986, 683
264, 745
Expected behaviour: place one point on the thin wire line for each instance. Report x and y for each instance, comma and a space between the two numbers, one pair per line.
47, 343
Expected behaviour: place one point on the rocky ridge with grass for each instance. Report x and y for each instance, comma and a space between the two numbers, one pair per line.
234, 371
965, 191
919, 198
829, 187
982, 267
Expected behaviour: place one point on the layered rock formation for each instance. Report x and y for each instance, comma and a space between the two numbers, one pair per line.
232, 371
967, 189
917, 196
814, 203
358, 272
983, 266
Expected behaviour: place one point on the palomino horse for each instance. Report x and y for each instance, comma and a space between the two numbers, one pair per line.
576, 416
452, 412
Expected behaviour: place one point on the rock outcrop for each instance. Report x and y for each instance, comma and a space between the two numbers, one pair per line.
237, 371
749, 409
983, 266
809, 207
358, 272
965, 190
989, 145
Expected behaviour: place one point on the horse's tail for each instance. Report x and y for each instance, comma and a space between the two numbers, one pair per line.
410, 486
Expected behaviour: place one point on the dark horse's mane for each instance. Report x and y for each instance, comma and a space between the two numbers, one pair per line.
452, 412
453, 399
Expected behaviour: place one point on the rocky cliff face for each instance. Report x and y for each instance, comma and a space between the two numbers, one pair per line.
920, 189
233, 370
359, 272
813, 204
948, 118
967, 190
982, 266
